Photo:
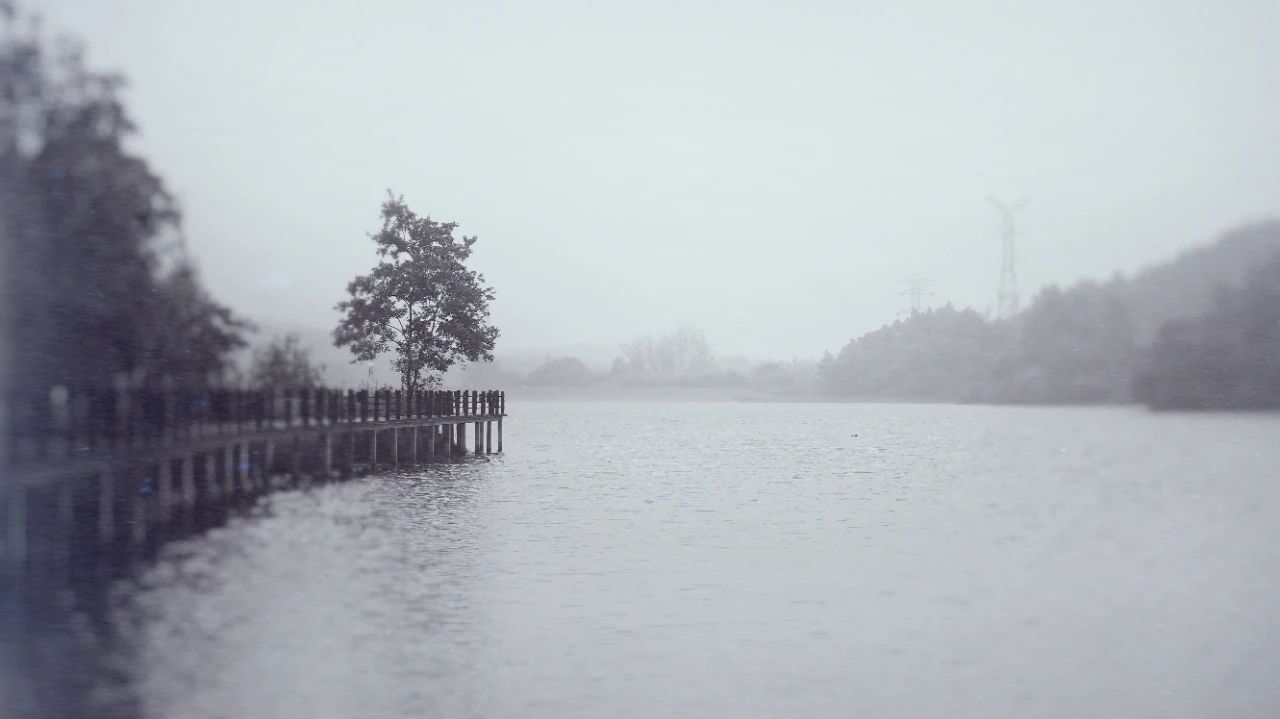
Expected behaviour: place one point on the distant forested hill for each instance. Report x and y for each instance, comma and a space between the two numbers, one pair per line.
1227, 358
1186, 286
1084, 344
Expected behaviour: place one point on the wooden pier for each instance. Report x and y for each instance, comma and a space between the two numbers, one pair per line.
118, 469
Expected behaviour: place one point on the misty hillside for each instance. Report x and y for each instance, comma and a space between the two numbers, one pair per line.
1228, 358
1082, 344
1185, 286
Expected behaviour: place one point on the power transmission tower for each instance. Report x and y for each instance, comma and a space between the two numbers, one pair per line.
1007, 300
915, 290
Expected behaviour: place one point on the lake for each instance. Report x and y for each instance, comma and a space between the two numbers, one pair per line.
634, 559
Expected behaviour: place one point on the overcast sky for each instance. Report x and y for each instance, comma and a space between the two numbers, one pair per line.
768, 172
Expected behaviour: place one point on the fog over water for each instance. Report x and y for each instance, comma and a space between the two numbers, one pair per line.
737, 167
747, 560
687, 213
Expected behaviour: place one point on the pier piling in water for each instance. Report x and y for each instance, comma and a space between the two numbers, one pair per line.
117, 468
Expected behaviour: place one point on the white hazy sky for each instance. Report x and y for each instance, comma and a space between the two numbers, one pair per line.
769, 172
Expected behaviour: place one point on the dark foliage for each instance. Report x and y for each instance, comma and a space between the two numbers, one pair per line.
420, 301
1228, 358
943, 354
1072, 346
96, 285
284, 362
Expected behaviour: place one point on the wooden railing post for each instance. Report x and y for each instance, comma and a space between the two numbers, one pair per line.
233, 411
208, 413
122, 419
217, 409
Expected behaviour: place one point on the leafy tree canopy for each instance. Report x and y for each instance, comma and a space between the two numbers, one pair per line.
420, 301
96, 283
284, 362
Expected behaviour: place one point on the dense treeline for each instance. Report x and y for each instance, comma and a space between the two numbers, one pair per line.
1191, 333
1228, 358
1070, 346
943, 354
97, 288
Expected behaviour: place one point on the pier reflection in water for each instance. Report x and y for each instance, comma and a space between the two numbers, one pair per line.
635, 559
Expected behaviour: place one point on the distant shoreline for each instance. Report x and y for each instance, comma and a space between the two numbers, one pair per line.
670, 393
616, 393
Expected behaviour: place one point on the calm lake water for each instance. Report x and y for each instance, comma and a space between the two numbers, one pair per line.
747, 560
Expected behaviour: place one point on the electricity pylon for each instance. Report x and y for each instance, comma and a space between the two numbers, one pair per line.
1007, 300
915, 290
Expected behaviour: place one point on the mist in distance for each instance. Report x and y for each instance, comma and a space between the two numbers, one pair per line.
768, 176
866, 229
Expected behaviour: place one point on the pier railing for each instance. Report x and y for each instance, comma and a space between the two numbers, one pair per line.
59, 424
109, 470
